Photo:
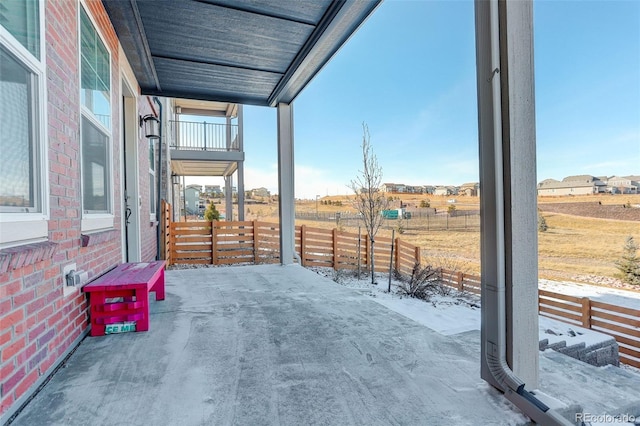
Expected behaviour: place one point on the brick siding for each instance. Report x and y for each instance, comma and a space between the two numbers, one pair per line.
38, 323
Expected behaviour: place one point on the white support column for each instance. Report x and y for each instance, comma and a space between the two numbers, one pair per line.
509, 236
240, 165
228, 198
286, 193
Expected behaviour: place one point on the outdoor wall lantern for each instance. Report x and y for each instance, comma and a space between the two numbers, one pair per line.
175, 179
151, 126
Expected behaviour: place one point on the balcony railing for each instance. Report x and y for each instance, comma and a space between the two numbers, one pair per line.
203, 136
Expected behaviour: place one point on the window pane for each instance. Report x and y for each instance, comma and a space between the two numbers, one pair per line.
95, 73
95, 169
17, 151
21, 18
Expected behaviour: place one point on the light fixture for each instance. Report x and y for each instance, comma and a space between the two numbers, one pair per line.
151, 126
175, 179
178, 110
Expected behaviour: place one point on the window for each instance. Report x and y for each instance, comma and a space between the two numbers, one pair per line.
95, 99
21, 18
152, 178
23, 162
18, 139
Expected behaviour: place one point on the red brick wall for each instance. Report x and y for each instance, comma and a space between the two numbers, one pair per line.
38, 324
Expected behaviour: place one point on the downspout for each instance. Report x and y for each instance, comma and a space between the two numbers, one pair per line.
495, 339
159, 178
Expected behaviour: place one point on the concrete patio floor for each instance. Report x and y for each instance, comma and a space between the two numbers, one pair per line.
255, 345
267, 344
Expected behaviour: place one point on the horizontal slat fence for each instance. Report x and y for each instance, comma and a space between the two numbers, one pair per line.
259, 242
460, 281
225, 243
190, 242
165, 231
621, 323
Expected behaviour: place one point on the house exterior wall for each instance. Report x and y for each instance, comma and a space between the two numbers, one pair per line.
577, 190
41, 319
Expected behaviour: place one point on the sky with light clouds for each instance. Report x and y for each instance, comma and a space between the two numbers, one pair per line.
409, 74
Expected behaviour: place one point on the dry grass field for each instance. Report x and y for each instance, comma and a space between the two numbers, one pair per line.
575, 247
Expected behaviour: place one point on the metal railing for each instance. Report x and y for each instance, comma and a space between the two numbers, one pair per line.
203, 136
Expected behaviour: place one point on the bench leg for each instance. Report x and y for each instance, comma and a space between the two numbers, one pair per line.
142, 295
96, 301
158, 287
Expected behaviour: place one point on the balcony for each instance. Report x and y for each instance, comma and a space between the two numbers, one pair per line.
205, 149
203, 136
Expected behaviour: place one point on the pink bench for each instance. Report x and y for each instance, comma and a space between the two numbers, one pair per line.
121, 296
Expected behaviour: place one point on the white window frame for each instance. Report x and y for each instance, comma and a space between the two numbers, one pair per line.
18, 228
92, 222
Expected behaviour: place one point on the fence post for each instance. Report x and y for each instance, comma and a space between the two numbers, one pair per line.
460, 281
359, 251
586, 312
397, 255
417, 255
334, 238
256, 256
214, 243
303, 242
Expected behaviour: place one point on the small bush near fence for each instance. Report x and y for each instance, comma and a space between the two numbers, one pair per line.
421, 283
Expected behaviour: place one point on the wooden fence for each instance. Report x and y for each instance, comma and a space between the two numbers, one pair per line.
224, 243
619, 322
346, 250
165, 231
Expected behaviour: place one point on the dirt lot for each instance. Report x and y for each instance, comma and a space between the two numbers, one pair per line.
594, 209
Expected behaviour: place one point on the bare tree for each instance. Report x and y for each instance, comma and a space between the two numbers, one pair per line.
370, 200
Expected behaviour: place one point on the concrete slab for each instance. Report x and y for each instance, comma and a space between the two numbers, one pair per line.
269, 344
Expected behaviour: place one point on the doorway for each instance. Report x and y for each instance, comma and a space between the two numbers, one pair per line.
130, 192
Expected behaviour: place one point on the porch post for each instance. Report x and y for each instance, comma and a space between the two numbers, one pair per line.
240, 165
507, 145
286, 194
228, 198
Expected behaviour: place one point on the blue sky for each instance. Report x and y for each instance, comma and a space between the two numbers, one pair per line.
409, 74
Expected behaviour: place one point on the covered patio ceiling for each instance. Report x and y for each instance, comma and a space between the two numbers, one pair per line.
256, 52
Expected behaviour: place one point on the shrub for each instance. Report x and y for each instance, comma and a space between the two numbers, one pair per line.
212, 213
629, 264
542, 223
423, 280
425, 204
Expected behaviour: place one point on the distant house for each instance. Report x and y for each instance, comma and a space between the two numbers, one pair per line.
572, 185
415, 189
192, 198
392, 187
213, 190
471, 189
260, 192
428, 189
623, 184
445, 190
